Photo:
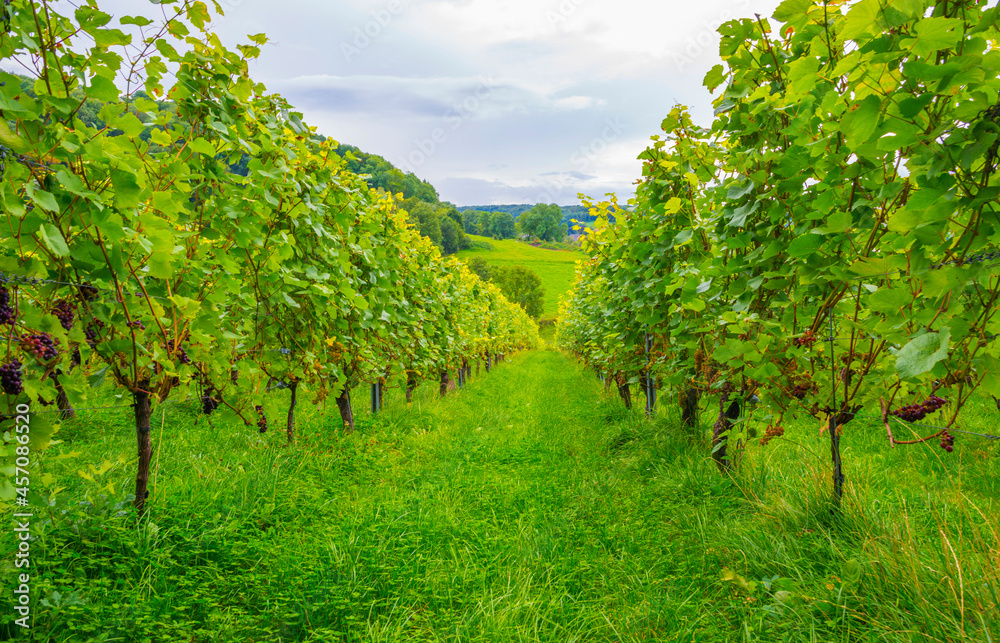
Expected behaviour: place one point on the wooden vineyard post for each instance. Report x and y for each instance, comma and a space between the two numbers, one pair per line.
346, 412
290, 428
142, 406
649, 381
625, 392
689, 407
376, 397
411, 383
838, 470
728, 411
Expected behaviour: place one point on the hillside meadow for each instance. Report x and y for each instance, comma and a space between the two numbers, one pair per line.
554, 267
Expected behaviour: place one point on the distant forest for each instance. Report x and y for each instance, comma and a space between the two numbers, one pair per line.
569, 212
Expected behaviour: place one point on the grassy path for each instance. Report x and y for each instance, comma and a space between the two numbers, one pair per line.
525, 507
504, 523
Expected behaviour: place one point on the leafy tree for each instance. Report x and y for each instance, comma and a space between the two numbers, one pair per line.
502, 226
450, 211
521, 286
481, 268
543, 222
381, 174
484, 222
470, 221
438, 224
426, 220
450, 239
518, 284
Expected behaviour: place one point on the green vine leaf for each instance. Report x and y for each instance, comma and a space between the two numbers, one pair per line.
922, 353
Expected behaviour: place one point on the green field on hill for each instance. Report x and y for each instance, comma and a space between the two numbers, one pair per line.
554, 267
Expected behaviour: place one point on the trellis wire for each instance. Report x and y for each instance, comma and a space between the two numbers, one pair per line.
35, 281
932, 426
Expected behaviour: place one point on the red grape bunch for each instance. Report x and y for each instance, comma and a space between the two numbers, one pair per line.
10, 377
40, 345
807, 340
947, 442
916, 412
8, 313
262, 419
64, 311
135, 323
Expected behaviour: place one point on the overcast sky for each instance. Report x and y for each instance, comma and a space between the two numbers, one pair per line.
492, 101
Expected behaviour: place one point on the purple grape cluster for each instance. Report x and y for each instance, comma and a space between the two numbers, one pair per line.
800, 391
64, 311
916, 412
135, 323
8, 313
181, 353
77, 357
947, 442
40, 345
261, 419
208, 401
91, 333
10, 377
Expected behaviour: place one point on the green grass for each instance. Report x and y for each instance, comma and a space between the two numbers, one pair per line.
527, 506
554, 267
